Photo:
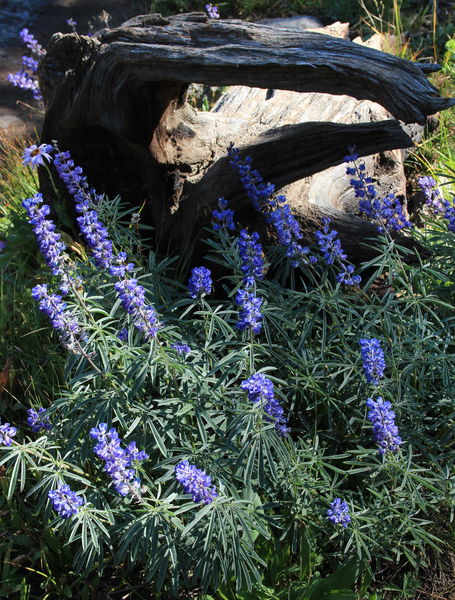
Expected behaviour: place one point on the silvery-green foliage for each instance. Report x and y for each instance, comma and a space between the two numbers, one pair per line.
191, 406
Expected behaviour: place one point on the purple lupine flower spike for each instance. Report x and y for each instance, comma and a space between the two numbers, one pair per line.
118, 462
372, 359
331, 248
195, 482
437, 202
223, 216
200, 282
274, 208
31, 42
387, 212
338, 513
261, 392
250, 251
144, 316
249, 311
65, 323
22, 78
49, 242
130, 292
65, 501
385, 431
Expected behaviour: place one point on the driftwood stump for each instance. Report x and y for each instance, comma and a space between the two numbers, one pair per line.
118, 103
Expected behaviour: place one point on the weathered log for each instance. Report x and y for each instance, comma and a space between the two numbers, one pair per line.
117, 102
264, 110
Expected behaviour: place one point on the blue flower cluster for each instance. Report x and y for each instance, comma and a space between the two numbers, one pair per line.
331, 248
212, 11
94, 232
372, 359
250, 251
250, 315
275, 210
385, 431
387, 212
31, 43
7, 432
66, 324
261, 392
252, 265
338, 513
131, 293
65, 502
118, 462
49, 242
132, 296
200, 282
195, 482
437, 202
181, 348
380, 414
37, 421
23, 78
224, 216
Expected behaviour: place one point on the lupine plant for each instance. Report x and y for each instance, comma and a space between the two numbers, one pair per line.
189, 451
25, 78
